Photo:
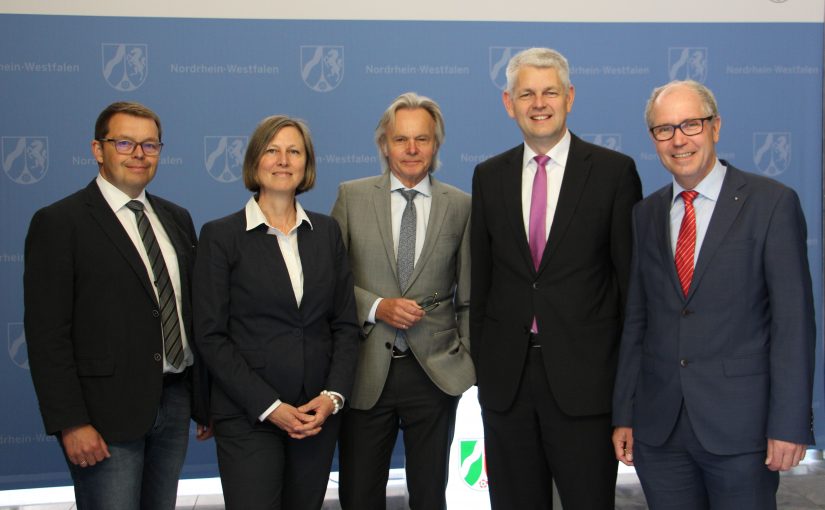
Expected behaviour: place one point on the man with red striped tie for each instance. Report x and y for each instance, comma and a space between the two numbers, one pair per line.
713, 392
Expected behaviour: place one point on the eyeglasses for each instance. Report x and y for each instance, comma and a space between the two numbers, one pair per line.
128, 146
429, 303
690, 127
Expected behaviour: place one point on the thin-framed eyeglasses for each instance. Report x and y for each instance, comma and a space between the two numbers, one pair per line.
128, 146
430, 303
690, 127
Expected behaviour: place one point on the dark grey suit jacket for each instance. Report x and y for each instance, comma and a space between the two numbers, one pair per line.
739, 349
91, 317
260, 346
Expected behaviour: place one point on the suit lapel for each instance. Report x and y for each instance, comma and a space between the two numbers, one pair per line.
103, 215
308, 250
439, 208
576, 173
383, 217
264, 247
510, 187
179, 242
732, 197
661, 228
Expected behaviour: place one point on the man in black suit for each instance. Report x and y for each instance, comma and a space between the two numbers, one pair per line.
108, 323
550, 249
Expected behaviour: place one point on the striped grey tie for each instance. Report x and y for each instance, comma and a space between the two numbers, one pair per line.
406, 254
173, 345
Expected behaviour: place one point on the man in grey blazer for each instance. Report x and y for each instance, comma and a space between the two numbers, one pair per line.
713, 391
410, 256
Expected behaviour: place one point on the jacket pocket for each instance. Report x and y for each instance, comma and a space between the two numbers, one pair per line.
95, 367
751, 365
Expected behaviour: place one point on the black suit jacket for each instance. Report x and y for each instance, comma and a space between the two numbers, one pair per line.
91, 316
578, 293
259, 345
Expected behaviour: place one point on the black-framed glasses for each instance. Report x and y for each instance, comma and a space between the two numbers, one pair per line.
128, 146
429, 303
690, 127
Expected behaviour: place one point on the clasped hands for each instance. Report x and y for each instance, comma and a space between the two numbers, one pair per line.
304, 421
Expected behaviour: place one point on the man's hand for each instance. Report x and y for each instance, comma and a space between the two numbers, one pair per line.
204, 432
623, 445
783, 455
293, 421
84, 445
399, 313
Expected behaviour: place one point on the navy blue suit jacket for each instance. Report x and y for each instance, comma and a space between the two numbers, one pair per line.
259, 345
739, 349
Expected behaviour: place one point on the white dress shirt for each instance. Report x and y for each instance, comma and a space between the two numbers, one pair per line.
423, 201
555, 174
117, 200
703, 205
288, 243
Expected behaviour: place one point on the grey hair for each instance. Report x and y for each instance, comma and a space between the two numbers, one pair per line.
542, 58
709, 106
409, 101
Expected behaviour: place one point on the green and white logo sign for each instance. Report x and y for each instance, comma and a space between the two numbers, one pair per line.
473, 464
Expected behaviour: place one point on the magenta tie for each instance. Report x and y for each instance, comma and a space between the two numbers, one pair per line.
538, 215
538, 211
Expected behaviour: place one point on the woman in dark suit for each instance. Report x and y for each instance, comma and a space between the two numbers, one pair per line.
275, 322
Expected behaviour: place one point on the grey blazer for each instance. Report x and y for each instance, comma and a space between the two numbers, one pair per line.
440, 341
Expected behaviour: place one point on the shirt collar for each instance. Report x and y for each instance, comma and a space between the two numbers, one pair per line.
709, 187
255, 216
116, 198
424, 186
558, 153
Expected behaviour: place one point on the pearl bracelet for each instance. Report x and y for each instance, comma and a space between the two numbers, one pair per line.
335, 401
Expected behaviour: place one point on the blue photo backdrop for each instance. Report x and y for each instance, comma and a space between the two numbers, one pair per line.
212, 80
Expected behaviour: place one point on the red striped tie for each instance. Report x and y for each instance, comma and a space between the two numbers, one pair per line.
686, 244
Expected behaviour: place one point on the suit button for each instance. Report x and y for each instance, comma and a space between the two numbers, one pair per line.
155, 313
388, 345
535, 285
297, 332
157, 356
683, 363
686, 312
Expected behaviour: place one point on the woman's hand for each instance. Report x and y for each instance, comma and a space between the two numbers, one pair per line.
295, 422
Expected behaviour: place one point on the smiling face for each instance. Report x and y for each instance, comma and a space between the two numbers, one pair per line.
130, 173
282, 166
539, 103
410, 145
688, 158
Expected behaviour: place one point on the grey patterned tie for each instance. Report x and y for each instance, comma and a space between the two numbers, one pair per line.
406, 254
173, 345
